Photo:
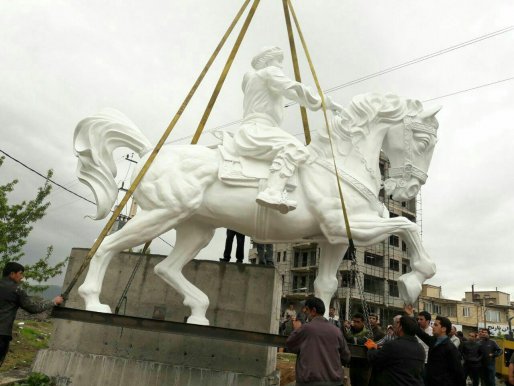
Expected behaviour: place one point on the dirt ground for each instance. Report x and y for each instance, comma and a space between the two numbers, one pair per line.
285, 364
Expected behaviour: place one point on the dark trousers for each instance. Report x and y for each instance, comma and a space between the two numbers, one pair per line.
265, 253
473, 372
487, 374
240, 250
4, 347
360, 373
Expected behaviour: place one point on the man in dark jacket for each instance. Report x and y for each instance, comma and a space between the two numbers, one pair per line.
472, 355
490, 351
12, 297
357, 333
320, 347
399, 362
444, 366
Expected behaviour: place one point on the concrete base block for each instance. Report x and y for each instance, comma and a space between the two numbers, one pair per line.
77, 369
242, 296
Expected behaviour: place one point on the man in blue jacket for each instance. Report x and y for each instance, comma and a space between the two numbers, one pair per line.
444, 367
12, 297
320, 348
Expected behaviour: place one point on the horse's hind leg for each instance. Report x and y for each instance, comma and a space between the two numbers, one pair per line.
192, 237
145, 226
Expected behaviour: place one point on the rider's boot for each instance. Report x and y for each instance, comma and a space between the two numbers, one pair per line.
275, 195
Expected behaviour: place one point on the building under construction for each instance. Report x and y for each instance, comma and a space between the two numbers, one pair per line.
378, 268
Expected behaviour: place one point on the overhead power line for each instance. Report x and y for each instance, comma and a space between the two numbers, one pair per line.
385, 71
422, 58
46, 178
469, 89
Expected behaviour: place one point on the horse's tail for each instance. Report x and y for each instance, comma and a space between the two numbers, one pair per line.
94, 141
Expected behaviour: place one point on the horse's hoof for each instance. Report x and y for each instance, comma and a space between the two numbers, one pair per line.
409, 286
198, 320
103, 308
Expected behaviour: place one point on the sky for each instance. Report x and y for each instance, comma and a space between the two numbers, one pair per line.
62, 61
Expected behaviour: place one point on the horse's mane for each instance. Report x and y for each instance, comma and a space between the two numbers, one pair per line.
354, 121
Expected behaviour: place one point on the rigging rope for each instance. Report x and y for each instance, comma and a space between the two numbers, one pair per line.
296, 68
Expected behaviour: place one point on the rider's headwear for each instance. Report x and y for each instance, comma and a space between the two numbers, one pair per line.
266, 54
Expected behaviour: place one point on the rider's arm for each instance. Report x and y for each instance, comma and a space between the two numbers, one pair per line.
279, 83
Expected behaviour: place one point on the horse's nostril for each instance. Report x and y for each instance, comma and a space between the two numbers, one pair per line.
413, 190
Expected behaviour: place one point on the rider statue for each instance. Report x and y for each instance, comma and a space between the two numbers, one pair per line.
260, 135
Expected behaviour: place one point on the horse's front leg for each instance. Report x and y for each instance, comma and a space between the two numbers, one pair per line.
326, 282
192, 237
373, 230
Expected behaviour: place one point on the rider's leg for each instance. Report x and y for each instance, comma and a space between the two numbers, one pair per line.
282, 168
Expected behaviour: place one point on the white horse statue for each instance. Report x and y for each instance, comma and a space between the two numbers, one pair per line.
195, 189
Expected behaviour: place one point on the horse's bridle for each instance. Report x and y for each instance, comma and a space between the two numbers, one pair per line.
399, 176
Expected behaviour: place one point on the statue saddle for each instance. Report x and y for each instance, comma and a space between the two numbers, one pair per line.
238, 170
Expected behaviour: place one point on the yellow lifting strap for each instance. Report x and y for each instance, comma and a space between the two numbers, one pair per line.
324, 107
224, 73
296, 68
154, 153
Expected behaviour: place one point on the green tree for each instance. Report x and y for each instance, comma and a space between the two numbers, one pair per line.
15, 226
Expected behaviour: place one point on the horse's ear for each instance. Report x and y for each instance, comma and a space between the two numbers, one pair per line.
430, 112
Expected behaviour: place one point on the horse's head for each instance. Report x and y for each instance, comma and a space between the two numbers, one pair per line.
409, 145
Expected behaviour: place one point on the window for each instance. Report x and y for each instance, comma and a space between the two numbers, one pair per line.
278, 257
432, 308
303, 258
299, 283
394, 241
492, 316
405, 268
303, 283
284, 256
466, 312
404, 246
373, 285
313, 257
373, 259
348, 279
393, 289
449, 310
394, 265
392, 215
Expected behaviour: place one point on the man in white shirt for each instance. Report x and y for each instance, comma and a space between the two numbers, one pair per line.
453, 337
424, 319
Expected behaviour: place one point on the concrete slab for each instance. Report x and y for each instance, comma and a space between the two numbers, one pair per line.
244, 297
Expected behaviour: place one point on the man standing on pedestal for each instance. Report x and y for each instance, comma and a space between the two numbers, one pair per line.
265, 254
240, 251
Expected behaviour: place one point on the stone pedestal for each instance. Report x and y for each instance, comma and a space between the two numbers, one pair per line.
242, 296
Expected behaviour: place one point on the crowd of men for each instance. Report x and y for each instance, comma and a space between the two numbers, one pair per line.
415, 350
